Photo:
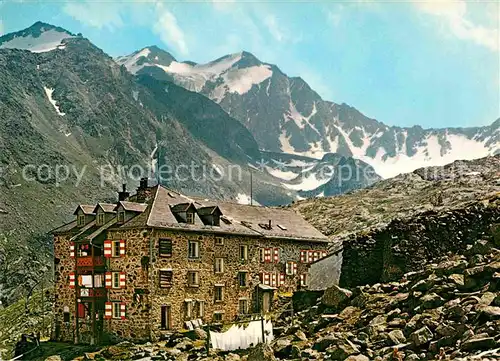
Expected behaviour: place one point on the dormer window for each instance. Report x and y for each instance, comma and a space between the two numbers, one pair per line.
81, 220
100, 219
190, 217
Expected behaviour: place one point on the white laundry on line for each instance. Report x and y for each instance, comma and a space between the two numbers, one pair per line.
241, 337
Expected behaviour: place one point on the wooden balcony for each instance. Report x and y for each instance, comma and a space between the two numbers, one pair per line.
92, 292
90, 262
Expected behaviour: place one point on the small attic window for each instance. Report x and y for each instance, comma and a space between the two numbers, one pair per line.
121, 216
190, 217
81, 220
283, 228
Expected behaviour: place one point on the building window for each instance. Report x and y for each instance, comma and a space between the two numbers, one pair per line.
189, 309
291, 268
303, 280
121, 217
115, 276
100, 219
219, 293
218, 316
262, 256
219, 265
193, 249
243, 306
117, 310
243, 252
165, 247
215, 220
219, 241
166, 278
190, 217
66, 316
242, 278
201, 308
81, 220
115, 248
193, 278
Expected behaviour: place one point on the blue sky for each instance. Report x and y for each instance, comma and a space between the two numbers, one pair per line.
404, 63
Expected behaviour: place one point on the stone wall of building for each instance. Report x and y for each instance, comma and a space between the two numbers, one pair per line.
142, 265
64, 295
405, 245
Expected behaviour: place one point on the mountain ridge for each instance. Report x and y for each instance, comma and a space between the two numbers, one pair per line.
286, 115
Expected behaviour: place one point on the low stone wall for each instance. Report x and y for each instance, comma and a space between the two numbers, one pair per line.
386, 254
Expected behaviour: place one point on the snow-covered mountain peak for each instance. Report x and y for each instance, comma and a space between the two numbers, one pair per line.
233, 73
38, 38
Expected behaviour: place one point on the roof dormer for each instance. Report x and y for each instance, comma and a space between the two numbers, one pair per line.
84, 214
184, 212
210, 215
104, 213
126, 210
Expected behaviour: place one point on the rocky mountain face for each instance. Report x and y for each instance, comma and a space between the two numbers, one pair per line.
285, 115
407, 195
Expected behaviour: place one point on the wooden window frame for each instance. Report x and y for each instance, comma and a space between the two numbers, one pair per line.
196, 280
219, 265
115, 306
197, 248
80, 220
246, 278
99, 221
165, 273
115, 249
121, 217
190, 217
165, 240
244, 252
221, 288
245, 307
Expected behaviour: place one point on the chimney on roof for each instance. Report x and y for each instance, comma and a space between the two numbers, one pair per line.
143, 191
123, 195
270, 225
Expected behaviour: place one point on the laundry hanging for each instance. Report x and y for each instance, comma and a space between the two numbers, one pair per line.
242, 337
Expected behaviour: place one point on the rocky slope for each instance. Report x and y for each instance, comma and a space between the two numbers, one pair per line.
404, 196
286, 115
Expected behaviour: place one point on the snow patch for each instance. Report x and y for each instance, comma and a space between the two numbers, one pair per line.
49, 92
242, 80
242, 198
47, 41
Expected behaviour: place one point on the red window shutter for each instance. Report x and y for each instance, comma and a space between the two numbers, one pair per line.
310, 257
267, 278
72, 250
276, 255
123, 309
108, 280
72, 280
107, 248
303, 256
122, 247
294, 268
81, 310
108, 310
323, 254
267, 255
274, 282
282, 279
123, 278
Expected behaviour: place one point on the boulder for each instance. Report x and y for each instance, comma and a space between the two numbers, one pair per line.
261, 352
53, 358
397, 337
421, 336
482, 343
357, 358
335, 297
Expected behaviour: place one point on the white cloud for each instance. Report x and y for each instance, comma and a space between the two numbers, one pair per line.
454, 15
274, 28
95, 14
169, 30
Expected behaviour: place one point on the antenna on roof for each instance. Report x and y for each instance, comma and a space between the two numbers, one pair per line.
251, 188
